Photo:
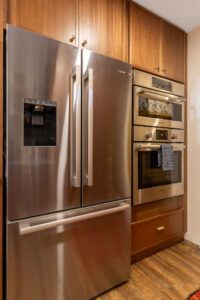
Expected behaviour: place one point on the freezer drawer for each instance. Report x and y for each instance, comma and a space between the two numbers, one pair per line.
72, 255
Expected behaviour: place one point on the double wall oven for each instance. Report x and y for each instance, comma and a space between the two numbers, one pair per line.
158, 118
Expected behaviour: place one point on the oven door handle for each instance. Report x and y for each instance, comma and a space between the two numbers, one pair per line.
157, 147
167, 98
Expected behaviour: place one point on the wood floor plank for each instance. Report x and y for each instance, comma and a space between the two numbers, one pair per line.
170, 274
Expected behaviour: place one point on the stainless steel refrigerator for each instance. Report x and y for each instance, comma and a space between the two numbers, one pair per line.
67, 169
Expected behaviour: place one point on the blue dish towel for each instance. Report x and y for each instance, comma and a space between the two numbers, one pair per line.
166, 157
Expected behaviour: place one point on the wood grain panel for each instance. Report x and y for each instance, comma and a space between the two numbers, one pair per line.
149, 210
172, 52
1, 143
170, 274
144, 39
55, 19
150, 232
103, 24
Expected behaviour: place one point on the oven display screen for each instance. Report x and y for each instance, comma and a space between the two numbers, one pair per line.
161, 84
161, 135
153, 108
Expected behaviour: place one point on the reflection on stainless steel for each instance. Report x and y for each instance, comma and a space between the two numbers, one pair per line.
156, 184
68, 150
158, 101
157, 134
40, 69
147, 80
111, 129
76, 127
25, 227
95, 255
157, 147
88, 77
167, 97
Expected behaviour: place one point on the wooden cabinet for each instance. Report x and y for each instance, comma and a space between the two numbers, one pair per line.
55, 19
144, 39
153, 231
156, 45
98, 25
157, 225
172, 52
102, 27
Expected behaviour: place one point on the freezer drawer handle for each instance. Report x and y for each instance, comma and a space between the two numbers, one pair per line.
25, 227
76, 127
88, 77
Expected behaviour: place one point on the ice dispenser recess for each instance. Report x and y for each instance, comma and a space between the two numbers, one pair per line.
39, 123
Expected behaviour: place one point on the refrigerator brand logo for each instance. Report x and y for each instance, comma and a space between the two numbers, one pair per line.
123, 72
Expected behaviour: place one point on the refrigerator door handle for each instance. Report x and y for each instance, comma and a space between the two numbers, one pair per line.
25, 227
88, 77
76, 127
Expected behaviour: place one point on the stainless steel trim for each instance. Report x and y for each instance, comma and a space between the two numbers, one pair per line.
167, 97
90, 95
149, 135
145, 79
26, 228
76, 127
147, 147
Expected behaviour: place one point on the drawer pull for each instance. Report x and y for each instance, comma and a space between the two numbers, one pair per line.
160, 228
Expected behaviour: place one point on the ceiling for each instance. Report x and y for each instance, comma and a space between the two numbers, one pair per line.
183, 13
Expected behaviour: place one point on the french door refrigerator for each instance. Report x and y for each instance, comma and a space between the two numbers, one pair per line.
67, 169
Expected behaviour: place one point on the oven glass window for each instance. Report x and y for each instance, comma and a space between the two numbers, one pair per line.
152, 108
150, 175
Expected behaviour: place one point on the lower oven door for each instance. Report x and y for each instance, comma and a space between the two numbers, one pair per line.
150, 182
74, 255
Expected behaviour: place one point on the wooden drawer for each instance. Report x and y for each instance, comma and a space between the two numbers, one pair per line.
151, 232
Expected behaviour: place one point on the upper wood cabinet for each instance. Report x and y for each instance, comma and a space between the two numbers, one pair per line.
172, 52
99, 25
102, 27
56, 19
155, 45
144, 39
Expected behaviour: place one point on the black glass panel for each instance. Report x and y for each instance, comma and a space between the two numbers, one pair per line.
39, 124
150, 175
162, 84
152, 108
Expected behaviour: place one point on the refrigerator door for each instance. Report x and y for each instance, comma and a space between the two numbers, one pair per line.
43, 100
72, 255
106, 94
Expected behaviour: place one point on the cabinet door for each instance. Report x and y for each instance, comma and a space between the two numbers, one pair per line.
144, 39
173, 52
102, 26
55, 19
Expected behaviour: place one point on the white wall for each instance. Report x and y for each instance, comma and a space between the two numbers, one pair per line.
193, 234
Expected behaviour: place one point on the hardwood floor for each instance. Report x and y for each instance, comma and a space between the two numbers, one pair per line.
170, 274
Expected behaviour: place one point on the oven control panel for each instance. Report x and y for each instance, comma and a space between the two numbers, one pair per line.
155, 134
162, 135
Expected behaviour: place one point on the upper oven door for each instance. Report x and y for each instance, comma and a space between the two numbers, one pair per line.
150, 182
152, 108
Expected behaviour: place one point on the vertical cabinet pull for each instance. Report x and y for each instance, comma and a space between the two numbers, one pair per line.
88, 86
76, 127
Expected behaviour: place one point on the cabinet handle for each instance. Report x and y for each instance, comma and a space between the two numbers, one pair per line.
160, 228
84, 43
164, 71
72, 38
157, 69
